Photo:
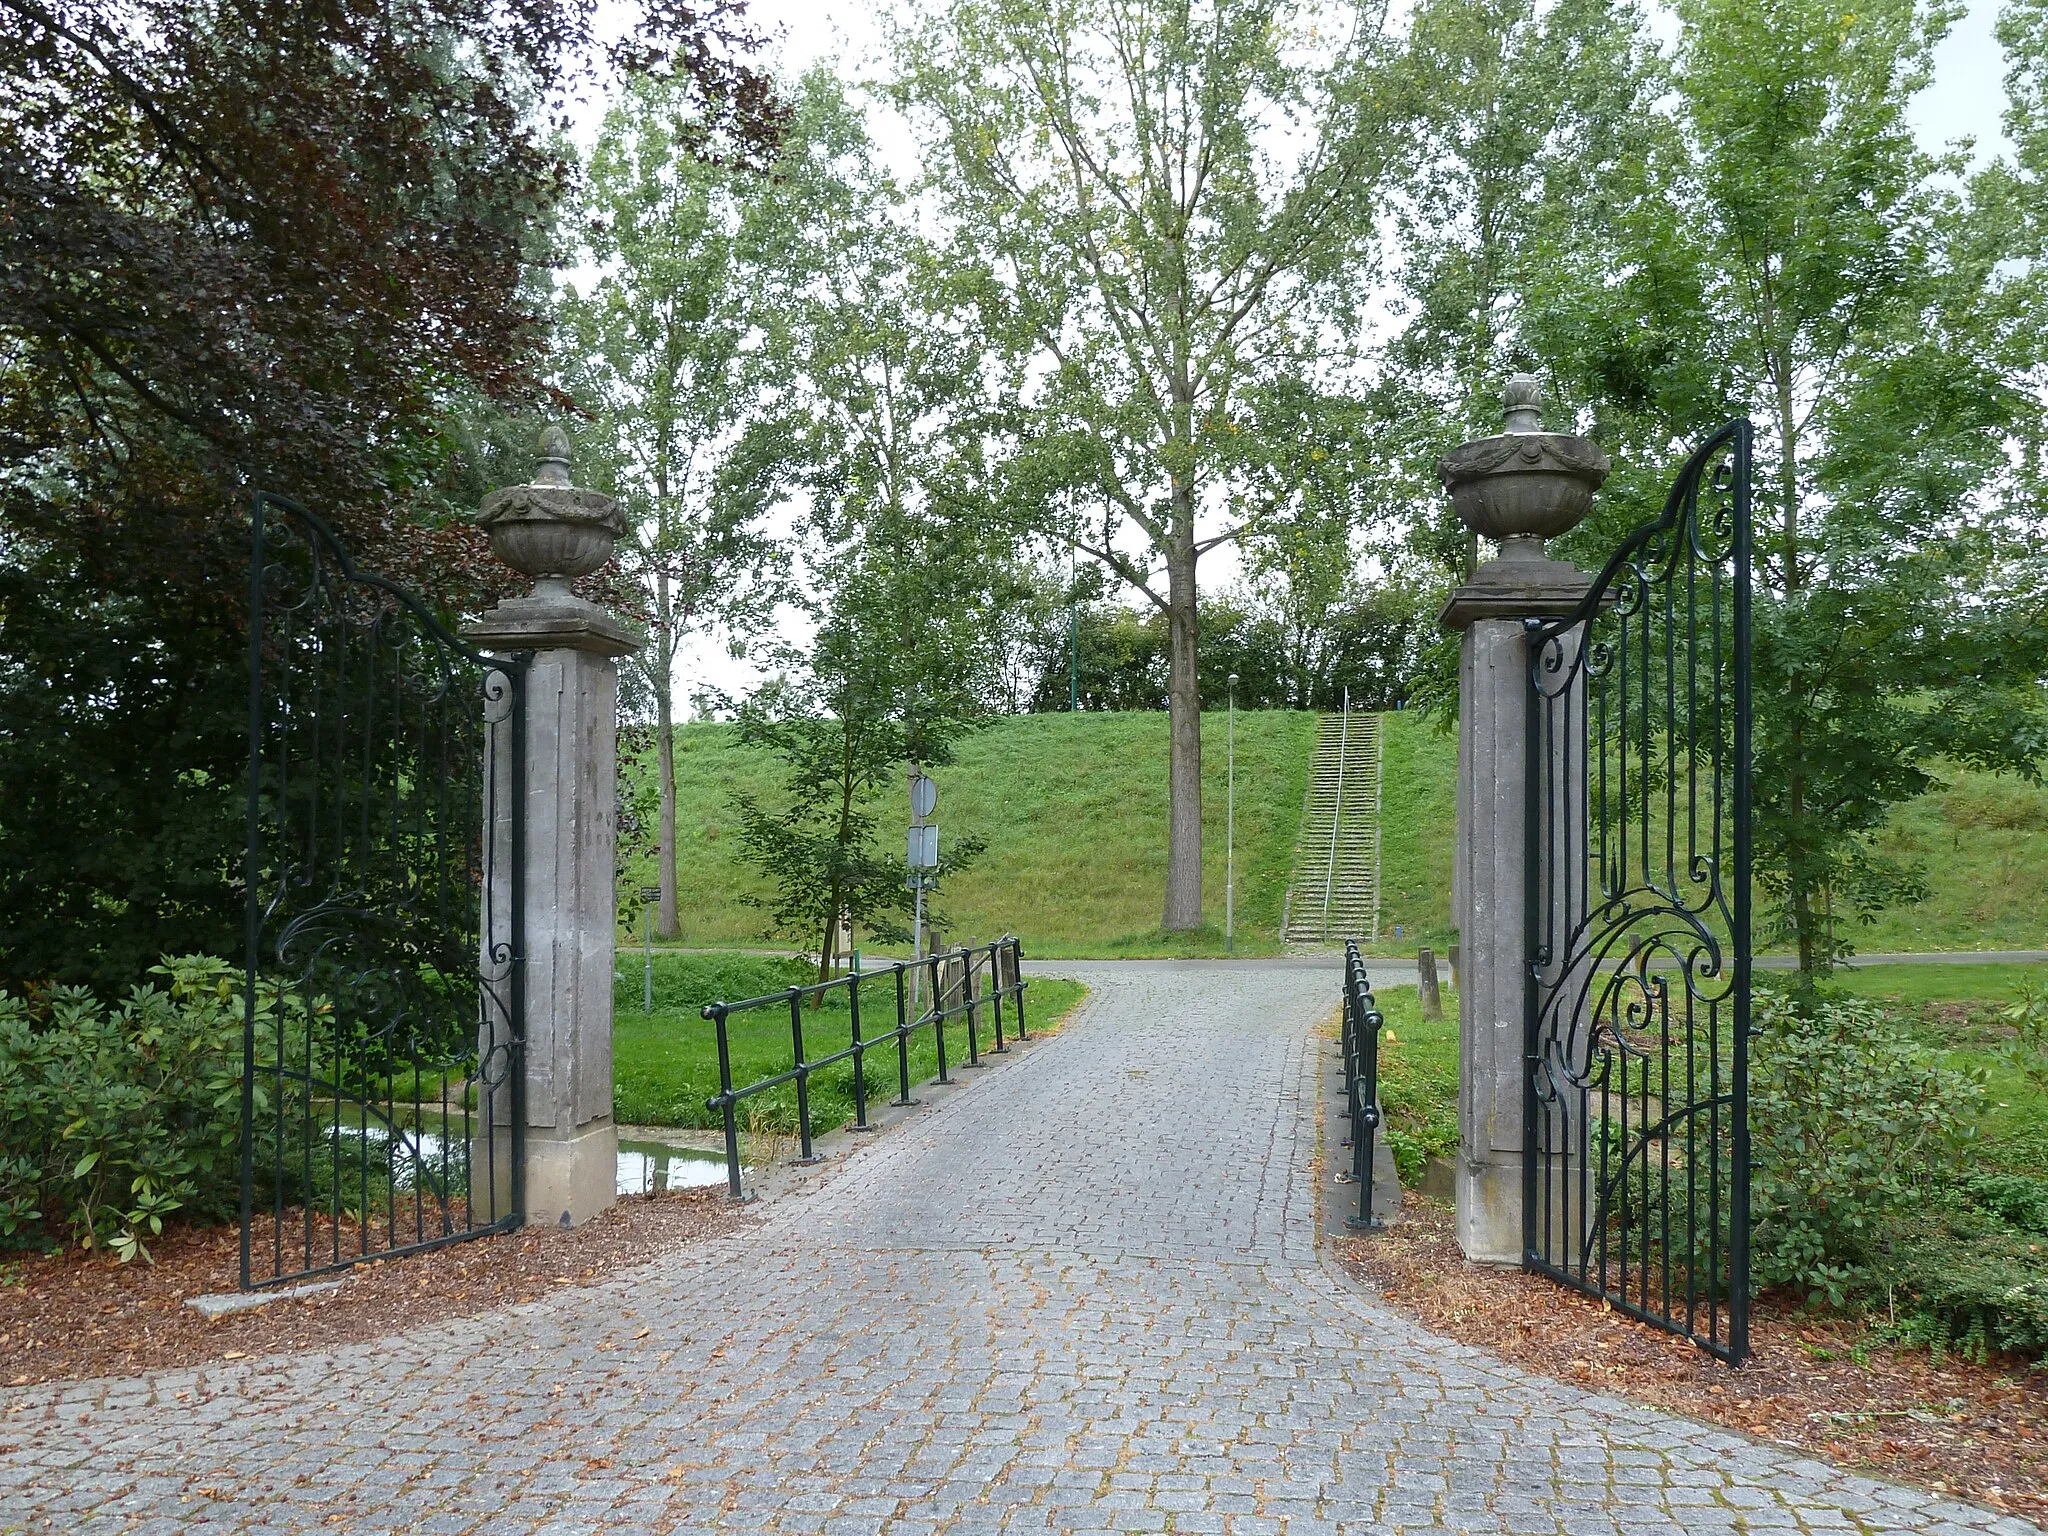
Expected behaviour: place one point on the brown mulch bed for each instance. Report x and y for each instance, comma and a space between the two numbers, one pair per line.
72, 1315
1977, 1432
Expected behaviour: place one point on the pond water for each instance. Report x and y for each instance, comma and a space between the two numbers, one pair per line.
644, 1166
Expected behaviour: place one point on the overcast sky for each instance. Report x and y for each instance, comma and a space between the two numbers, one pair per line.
1965, 100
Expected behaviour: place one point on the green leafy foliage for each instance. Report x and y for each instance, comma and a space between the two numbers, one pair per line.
1870, 1189
1960, 1280
352, 193
115, 1117
2017, 1199
1847, 1116
2027, 1051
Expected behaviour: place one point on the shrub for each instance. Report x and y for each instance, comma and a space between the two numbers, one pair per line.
115, 1116
2014, 1198
1849, 1118
1970, 1284
2027, 1052
1420, 1103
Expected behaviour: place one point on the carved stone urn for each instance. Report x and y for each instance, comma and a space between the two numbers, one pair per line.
553, 531
1524, 485
550, 529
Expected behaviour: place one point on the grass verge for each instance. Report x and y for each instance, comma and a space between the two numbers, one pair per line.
1418, 1079
665, 1063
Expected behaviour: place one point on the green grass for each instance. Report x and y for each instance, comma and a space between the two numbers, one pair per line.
665, 1064
1983, 840
1418, 821
1074, 811
1418, 1079
1073, 808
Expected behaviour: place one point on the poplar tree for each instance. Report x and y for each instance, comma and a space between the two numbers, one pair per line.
1169, 204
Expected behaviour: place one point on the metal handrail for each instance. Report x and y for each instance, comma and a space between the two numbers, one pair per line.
1359, 1043
1337, 815
1004, 955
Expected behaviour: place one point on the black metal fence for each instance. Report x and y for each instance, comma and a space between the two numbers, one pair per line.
959, 985
1359, 1044
1636, 1157
382, 1043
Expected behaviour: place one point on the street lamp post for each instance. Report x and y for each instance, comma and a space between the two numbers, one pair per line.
1230, 828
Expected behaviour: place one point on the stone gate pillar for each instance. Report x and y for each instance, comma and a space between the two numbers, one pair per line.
568, 760
1519, 487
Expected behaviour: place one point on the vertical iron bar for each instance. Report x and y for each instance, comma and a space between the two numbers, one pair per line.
903, 1098
716, 1013
860, 1070
516, 1023
1017, 975
1738, 1226
252, 859
995, 991
803, 1074
971, 1004
938, 1014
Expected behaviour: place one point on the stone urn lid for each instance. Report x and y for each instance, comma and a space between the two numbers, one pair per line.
1525, 483
550, 529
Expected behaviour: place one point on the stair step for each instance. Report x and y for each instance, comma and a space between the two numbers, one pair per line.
1335, 889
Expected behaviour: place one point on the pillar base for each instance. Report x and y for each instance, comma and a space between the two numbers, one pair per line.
571, 1176
1489, 1207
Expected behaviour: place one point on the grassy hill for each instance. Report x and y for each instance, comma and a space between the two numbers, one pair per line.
1074, 811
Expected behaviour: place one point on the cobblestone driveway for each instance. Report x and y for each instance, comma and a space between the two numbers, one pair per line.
1083, 1295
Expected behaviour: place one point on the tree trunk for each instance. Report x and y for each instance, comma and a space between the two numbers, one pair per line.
1812, 962
1184, 715
665, 753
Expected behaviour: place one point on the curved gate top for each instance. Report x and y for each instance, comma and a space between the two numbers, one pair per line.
1636, 1129
382, 1045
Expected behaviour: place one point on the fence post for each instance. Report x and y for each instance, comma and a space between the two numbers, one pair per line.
903, 1098
1017, 982
995, 992
938, 1015
860, 1052
733, 1190
1426, 984
803, 1075
970, 1001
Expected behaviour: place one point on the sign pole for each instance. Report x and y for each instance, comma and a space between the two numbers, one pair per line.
1230, 830
648, 895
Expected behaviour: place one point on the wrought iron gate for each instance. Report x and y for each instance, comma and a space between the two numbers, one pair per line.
382, 1042
1636, 1154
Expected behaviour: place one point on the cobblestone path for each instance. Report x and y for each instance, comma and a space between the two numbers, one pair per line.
1082, 1295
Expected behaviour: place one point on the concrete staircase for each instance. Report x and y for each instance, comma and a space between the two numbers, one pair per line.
1335, 892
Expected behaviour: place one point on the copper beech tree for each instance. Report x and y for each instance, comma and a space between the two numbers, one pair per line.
250, 243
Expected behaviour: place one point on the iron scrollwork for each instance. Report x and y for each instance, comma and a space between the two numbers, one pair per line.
1636, 1143
382, 1047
